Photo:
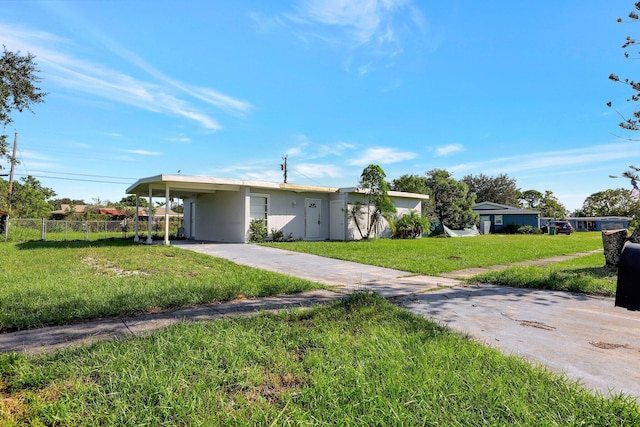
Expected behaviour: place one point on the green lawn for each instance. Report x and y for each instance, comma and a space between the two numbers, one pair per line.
47, 283
584, 274
433, 256
359, 362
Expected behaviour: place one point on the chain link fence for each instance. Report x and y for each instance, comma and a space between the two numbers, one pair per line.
21, 230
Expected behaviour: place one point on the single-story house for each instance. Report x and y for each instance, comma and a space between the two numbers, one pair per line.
221, 209
494, 216
66, 210
596, 223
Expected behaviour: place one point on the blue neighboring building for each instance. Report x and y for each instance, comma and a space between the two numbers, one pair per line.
494, 217
595, 223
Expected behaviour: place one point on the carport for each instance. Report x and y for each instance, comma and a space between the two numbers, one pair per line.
175, 186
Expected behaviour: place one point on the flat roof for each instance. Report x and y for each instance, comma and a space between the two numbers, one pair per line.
185, 185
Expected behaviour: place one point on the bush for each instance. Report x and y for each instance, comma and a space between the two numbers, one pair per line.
277, 235
257, 231
509, 229
410, 226
525, 229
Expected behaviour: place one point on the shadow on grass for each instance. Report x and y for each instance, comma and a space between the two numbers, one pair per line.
75, 244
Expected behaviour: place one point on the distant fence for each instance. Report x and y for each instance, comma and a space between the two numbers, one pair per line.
21, 230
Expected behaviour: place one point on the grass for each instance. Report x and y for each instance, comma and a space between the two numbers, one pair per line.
584, 274
432, 256
359, 362
53, 283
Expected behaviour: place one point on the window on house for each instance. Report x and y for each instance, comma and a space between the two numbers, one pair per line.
497, 219
260, 207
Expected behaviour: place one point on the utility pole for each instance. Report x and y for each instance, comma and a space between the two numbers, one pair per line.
283, 167
13, 165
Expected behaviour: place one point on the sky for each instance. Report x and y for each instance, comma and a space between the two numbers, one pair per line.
227, 89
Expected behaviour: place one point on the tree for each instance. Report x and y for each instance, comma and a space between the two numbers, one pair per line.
414, 184
612, 202
629, 123
499, 189
551, 207
29, 198
130, 200
18, 76
547, 203
377, 204
531, 199
452, 201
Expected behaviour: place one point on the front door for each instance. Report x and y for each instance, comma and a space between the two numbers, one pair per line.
313, 209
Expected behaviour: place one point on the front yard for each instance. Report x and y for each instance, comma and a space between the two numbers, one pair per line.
361, 362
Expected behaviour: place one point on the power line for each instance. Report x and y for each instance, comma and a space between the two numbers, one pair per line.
82, 174
73, 179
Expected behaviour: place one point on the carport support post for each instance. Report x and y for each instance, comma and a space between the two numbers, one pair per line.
136, 238
166, 216
150, 217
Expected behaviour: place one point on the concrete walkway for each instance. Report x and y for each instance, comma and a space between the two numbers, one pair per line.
585, 337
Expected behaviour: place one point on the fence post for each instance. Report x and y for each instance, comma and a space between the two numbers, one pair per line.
66, 230
86, 231
44, 230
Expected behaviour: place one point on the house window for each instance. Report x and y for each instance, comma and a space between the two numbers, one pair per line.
497, 219
259, 208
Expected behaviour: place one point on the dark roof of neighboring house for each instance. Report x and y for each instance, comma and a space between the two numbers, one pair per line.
111, 211
66, 209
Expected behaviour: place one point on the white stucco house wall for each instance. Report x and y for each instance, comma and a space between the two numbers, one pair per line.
220, 209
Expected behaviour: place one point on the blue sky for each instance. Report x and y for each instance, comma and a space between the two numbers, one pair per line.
226, 89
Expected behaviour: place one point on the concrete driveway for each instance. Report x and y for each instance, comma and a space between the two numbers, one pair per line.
587, 338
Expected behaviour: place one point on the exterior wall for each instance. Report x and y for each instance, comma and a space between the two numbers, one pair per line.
224, 216
520, 220
219, 217
403, 206
287, 212
338, 216
598, 224
517, 219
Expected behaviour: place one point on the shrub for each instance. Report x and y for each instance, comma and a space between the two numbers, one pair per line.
410, 226
510, 229
277, 235
525, 229
257, 230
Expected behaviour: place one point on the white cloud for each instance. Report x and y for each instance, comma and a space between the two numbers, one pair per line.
143, 152
548, 161
374, 27
382, 155
317, 170
367, 20
448, 149
182, 139
159, 93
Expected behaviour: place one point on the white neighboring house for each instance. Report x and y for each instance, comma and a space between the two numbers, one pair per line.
220, 209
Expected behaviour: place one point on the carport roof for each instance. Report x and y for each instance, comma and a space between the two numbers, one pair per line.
185, 185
